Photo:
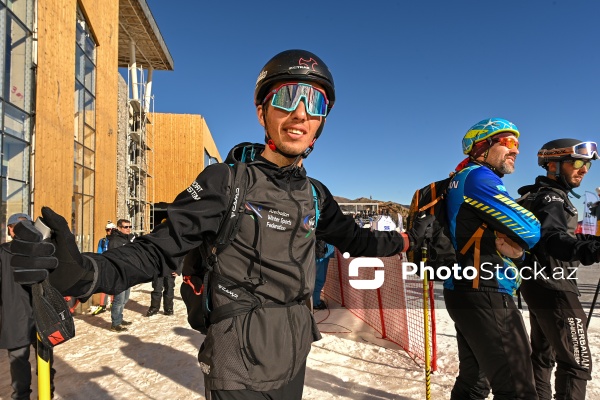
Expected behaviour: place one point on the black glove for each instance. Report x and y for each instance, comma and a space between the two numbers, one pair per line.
72, 267
31, 258
422, 228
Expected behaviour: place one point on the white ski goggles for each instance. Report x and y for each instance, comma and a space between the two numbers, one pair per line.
585, 150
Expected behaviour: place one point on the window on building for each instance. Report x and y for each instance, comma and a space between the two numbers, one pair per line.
85, 136
208, 159
16, 20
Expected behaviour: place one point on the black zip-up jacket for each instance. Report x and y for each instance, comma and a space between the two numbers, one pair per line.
272, 258
559, 252
17, 328
117, 239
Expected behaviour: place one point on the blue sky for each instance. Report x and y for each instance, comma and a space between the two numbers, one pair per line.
411, 77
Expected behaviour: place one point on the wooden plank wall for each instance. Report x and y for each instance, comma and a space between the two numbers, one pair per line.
179, 143
53, 172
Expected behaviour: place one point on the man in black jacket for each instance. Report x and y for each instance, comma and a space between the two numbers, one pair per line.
558, 322
120, 237
17, 328
269, 268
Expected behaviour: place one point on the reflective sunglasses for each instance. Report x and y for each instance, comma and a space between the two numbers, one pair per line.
287, 97
508, 142
577, 164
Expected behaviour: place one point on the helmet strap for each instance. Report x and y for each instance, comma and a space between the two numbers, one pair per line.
273, 147
485, 164
563, 181
271, 144
310, 148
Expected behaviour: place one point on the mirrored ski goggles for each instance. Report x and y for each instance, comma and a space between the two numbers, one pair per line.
585, 150
287, 97
578, 163
508, 142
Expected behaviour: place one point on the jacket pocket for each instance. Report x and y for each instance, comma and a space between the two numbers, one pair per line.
275, 341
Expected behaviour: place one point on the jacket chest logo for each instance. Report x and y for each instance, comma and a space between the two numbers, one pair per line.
278, 220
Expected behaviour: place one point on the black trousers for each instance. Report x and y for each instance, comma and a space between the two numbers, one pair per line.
493, 347
558, 336
291, 391
163, 288
20, 372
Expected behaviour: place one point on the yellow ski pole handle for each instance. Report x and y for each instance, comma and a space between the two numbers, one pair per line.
426, 327
43, 370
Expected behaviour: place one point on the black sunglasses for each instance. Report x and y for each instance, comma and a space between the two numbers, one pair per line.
126, 226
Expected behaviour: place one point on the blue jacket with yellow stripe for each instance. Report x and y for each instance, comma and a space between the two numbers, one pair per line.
477, 196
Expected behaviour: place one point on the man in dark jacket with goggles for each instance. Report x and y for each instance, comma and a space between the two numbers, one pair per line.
271, 262
558, 322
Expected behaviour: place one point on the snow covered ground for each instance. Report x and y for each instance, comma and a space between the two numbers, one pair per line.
156, 358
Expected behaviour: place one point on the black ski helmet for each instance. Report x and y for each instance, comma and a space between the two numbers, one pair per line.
556, 150
290, 65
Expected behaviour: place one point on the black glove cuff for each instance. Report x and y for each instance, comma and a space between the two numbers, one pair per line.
95, 278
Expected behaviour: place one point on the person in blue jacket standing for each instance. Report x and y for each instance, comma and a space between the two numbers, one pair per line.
490, 232
323, 252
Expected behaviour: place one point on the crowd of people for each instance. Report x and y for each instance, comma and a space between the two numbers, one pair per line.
260, 284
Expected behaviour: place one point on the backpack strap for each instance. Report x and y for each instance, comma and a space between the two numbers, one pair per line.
237, 197
435, 197
199, 263
317, 192
475, 240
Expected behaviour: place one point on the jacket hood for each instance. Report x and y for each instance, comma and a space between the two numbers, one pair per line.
541, 181
244, 152
251, 153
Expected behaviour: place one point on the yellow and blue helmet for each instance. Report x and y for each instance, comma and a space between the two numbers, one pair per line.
486, 129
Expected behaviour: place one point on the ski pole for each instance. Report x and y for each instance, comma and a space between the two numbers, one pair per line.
43, 369
426, 326
587, 324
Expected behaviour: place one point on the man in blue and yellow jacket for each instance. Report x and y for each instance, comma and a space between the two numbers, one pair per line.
490, 232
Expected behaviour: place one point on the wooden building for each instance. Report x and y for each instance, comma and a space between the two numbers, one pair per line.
194, 144
78, 129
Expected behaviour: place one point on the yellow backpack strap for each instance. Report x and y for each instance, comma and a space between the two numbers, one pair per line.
475, 240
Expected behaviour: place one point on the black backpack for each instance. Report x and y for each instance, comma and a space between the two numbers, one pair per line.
440, 252
199, 263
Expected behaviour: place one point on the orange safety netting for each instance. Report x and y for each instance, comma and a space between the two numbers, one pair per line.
395, 310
